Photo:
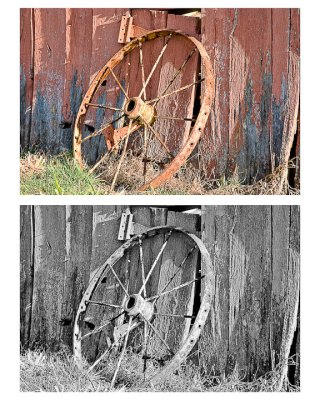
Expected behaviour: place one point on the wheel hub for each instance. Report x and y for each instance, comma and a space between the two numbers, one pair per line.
136, 108
136, 305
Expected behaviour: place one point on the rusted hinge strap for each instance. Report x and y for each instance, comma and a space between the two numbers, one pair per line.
129, 228
128, 30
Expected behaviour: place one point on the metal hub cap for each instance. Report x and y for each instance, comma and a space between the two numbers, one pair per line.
137, 305
136, 108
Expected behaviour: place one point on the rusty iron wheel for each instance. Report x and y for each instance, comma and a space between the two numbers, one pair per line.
154, 119
138, 304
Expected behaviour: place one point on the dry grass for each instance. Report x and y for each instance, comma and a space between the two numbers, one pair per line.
59, 175
32, 164
57, 372
189, 180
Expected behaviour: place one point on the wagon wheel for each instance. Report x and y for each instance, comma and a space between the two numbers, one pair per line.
141, 300
152, 119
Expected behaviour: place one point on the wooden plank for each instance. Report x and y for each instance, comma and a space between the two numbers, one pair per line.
149, 20
250, 291
252, 38
49, 77
214, 342
175, 133
77, 266
105, 30
285, 283
105, 227
26, 74
77, 67
216, 25
181, 302
49, 272
149, 217
26, 272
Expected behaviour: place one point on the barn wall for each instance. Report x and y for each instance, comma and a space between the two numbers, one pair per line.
255, 53
255, 254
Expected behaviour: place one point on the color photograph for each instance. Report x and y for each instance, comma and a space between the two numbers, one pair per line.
160, 101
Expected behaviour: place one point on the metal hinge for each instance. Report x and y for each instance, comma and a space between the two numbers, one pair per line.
128, 227
128, 30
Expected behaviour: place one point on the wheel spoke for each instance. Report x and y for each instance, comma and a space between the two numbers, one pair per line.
155, 262
119, 281
174, 315
118, 82
124, 348
103, 106
155, 66
176, 118
158, 335
175, 288
145, 345
142, 267
156, 134
102, 326
121, 158
142, 71
177, 73
175, 91
100, 303
99, 132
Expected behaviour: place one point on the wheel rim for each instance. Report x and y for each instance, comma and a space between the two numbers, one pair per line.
144, 112
136, 314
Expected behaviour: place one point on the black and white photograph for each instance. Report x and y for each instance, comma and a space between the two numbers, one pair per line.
166, 298
159, 197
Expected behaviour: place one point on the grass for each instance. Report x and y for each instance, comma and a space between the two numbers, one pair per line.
56, 372
56, 175
60, 175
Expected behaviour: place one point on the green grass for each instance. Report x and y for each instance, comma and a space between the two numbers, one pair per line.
59, 175
56, 372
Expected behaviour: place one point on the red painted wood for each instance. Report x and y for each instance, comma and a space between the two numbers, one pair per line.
215, 27
149, 20
77, 65
49, 77
251, 58
105, 30
180, 104
251, 50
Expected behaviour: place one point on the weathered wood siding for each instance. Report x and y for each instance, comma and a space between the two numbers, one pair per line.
255, 53
255, 253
